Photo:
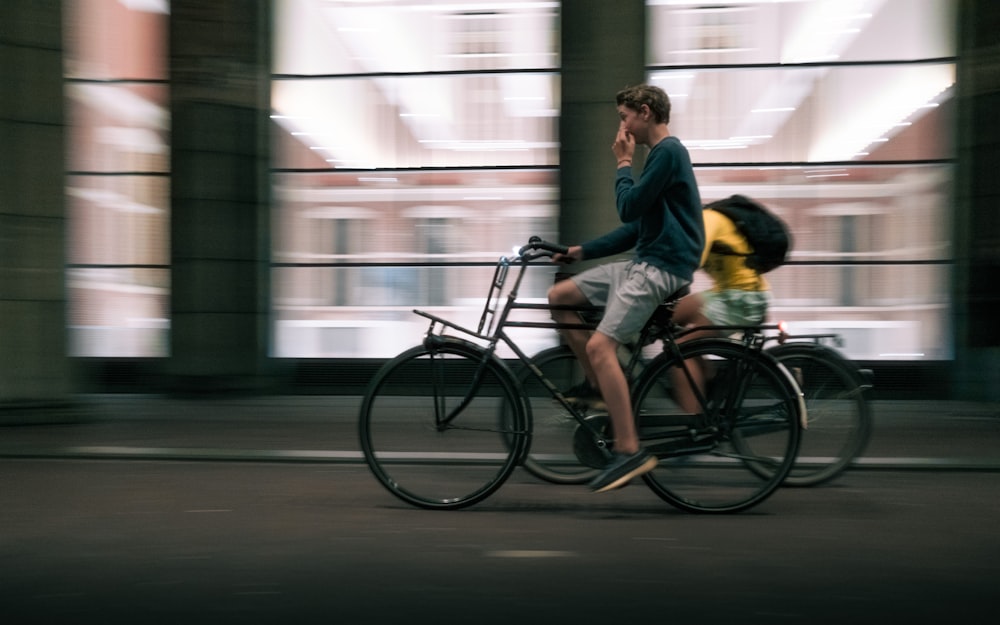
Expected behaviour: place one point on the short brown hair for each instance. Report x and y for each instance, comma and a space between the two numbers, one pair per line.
655, 98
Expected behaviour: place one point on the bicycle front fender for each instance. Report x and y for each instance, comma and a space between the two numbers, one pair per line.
437, 342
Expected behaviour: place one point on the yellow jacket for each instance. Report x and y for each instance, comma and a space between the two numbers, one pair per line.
728, 271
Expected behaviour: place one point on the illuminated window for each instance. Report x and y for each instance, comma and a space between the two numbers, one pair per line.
118, 177
838, 115
423, 137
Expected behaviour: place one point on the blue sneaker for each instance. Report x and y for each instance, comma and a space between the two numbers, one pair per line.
621, 470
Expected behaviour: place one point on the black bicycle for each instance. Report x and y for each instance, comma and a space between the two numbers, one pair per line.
445, 423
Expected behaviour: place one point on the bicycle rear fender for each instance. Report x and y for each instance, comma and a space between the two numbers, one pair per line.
865, 378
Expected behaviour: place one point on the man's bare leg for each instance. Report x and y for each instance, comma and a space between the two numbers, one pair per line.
602, 351
628, 460
566, 293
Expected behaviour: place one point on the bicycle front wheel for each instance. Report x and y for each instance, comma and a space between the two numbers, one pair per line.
443, 427
840, 419
749, 416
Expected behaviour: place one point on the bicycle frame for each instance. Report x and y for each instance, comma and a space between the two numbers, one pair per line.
492, 329
474, 408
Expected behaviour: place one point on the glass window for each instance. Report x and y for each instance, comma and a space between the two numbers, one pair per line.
118, 185
416, 141
360, 250
118, 126
747, 32
344, 37
116, 39
871, 251
838, 115
416, 121
117, 220
414, 144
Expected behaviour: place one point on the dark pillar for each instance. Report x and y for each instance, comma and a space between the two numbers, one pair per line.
35, 374
220, 104
603, 51
976, 293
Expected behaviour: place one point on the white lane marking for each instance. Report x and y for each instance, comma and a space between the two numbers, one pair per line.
529, 553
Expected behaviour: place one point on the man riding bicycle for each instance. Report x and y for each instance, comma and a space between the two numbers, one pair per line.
661, 218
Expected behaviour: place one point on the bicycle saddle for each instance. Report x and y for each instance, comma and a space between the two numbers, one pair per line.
665, 311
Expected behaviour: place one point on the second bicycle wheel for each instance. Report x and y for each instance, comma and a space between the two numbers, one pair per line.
443, 427
708, 460
552, 457
840, 420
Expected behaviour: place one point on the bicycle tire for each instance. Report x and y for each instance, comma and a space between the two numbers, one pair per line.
443, 467
754, 414
840, 415
552, 457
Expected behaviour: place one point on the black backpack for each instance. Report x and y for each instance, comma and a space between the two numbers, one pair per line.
766, 233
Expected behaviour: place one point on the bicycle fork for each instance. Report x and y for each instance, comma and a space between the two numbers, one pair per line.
442, 417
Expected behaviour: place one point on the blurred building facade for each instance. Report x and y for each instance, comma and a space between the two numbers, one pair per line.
221, 196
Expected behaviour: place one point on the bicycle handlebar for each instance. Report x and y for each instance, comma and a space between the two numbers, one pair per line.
537, 244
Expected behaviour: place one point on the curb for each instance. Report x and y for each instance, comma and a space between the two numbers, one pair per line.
209, 454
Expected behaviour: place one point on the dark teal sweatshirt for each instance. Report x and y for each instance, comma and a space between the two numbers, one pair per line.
661, 213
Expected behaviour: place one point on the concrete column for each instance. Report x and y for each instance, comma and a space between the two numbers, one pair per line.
220, 105
603, 51
35, 371
976, 291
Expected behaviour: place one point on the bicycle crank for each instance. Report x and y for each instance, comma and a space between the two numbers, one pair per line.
591, 443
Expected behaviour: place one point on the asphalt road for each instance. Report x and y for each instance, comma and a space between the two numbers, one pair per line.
150, 541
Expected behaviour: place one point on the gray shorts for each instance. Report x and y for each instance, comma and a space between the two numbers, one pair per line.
735, 308
629, 291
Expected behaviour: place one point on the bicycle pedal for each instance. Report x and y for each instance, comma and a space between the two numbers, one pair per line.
589, 449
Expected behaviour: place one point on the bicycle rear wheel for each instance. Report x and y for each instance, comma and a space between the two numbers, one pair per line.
552, 456
750, 417
443, 427
840, 419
